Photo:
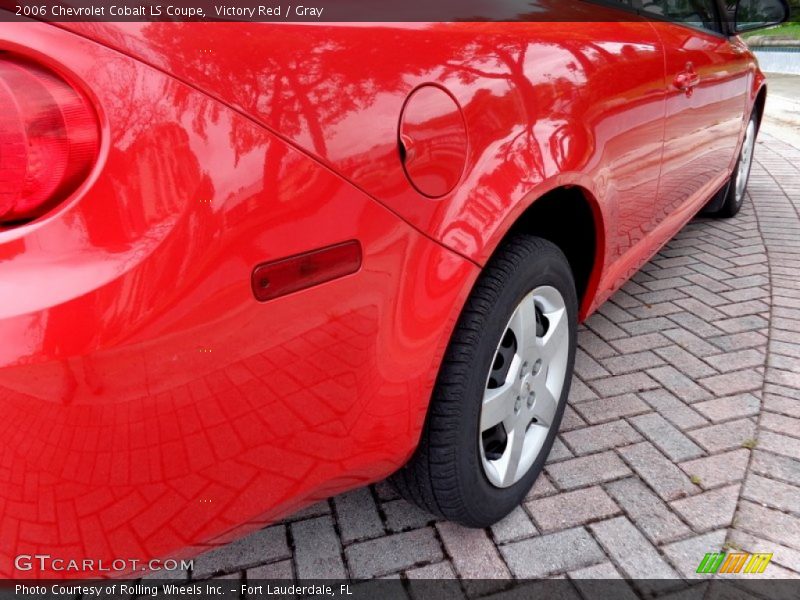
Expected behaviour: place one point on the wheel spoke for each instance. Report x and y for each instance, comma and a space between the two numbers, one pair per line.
545, 406
523, 324
498, 403
514, 454
556, 335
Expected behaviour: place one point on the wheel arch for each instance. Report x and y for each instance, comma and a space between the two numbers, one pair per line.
760, 103
570, 217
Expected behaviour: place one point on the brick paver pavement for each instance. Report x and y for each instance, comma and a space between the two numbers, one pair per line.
682, 434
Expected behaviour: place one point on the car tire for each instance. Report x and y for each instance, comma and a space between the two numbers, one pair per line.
510, 359
734, 193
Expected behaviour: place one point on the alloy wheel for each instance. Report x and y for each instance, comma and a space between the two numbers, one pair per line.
745, 161
524, 386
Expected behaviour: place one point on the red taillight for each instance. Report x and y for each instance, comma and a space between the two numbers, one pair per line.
48, 139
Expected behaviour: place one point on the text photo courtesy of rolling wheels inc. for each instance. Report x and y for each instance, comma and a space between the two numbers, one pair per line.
444, 300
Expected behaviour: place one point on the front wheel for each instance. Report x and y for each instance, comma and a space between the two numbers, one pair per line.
501, 390
737, 187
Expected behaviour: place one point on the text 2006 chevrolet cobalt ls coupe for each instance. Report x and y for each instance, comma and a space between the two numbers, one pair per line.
246, 266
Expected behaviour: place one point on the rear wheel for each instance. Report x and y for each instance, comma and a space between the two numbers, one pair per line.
501, 390
736, 190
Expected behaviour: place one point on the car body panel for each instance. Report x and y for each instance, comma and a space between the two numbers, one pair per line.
703, 125
540, 113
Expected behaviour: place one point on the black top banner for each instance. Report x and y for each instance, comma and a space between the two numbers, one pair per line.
691, 12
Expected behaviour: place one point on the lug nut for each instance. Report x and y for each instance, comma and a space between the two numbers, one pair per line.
531, 399
537, 366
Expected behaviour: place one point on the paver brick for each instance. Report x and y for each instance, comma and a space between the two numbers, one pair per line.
313, 510
571, 420
725, 436
782, 390
648, 512
719, 469
639, 343
580, 392
569, 509
771, 493
516, 526
602, 581
277, 570
738, 341
733, 361
776, 466
651, 325
780, 424
553, 553
631, 551
541, 487
729, 407
691, 342
706, 296
668, 481
628, 363
785, 348
666, 437
586, 470
783, 555
710, 510
745, 294
604, 570
741, 324
687, 554
594, 345
357, 515
440, 570
700, 309
737, 382
473, 554
623, 384
695, 324
604, 327
266, 545
601, 437
559, 451
611, 409
402, 515
588, 368
769, 523
779, 444
393, 553
317, 550
673, 410
439, 581
685, 361
615, 313
677, 383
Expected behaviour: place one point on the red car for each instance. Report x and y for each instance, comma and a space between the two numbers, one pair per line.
247, 266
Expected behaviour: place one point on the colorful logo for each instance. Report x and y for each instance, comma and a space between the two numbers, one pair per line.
735, 562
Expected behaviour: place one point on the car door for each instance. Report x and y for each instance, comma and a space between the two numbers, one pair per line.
706, 81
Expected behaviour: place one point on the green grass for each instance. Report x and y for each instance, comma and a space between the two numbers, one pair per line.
791, 30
